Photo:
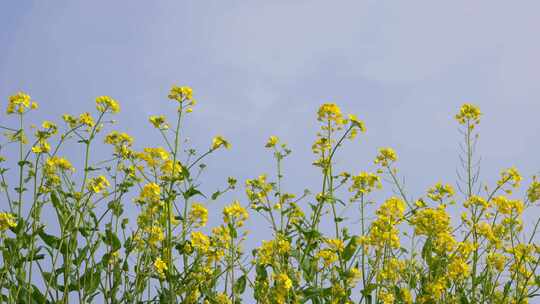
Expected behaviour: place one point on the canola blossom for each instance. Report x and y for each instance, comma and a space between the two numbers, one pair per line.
360, 237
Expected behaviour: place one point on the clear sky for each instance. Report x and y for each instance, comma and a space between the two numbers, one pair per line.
261, 68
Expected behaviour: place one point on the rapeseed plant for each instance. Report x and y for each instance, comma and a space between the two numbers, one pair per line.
409, 250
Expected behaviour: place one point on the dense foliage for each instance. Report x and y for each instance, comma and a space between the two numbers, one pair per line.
64, 235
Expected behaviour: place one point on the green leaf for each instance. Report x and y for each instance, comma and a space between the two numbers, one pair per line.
23, 163
82, 254
313, 294
35, 296
369, 289
350, 249
507, 287
52, 278
215, 195
232, 231
90, 279
112, 240
192, 191
51, 240
307, 267
262, 274
240, 285
463, 299
34, 257
59, 208
426, 251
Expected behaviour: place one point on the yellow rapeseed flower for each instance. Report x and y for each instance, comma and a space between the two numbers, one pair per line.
496, 260
439, 192
50, 127
330, 112
386, 297
200, 241
19, 103
159, 122
171, 170
155, 235
364, 183
431, 221
181, 94
86, 119
51, 167
510, 176
235, 213
458, 269
336, 244
222, 298
117, 138
272, 141
475, 200
533, 192
219, 141
328, 256
469, 114
150, 192
98, 184
70, 120
153, 156
42, 146
271, 250
7, 220
385, 157
198, 215
508, 206
106, 103
283, 281
160, 266
357, 122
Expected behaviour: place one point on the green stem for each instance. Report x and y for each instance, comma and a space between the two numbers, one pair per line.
170, 199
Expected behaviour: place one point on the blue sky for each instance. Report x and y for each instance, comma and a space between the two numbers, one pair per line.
262, 68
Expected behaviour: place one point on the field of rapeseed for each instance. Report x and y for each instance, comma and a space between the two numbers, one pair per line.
56, 246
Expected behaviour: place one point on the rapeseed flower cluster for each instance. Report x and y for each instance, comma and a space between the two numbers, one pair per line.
364, 183
200, 241
330, 113
7, 220
533, 192
121, 142
159, 122
98, 184
106, 103
385, 157
184, 96
220, 141
272, 141
20, 103
270, 251
507, 206
198, 215
235, 214
384, 231
160, 266
431, 221
510, 177
469, 114
440, 192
